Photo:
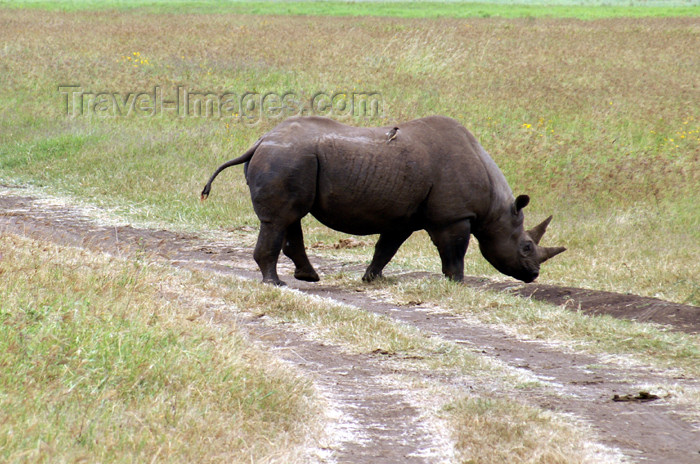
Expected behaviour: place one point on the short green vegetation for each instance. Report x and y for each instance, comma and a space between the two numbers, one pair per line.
581, 9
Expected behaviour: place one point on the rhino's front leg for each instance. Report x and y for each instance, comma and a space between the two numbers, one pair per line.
384, 250
451, 242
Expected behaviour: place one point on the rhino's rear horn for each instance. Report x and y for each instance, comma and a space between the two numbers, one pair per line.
537, 232
549, 252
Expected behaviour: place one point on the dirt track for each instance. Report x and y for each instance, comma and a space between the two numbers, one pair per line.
377, 421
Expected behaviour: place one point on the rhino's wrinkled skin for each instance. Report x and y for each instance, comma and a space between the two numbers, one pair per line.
433, 175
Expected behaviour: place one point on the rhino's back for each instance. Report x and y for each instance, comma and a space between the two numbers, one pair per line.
432, 172
367, 184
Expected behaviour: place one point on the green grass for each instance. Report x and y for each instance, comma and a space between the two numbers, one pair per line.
398, 9
97, 365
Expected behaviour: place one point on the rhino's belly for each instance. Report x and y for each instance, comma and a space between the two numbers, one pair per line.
356, 225
367, 216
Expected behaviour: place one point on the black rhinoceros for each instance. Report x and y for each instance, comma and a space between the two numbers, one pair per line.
429, 173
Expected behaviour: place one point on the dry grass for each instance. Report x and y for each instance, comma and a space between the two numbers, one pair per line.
492, 431
355, 329
485, 428
102, 361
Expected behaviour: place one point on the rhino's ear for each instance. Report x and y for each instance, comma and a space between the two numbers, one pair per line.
520, 202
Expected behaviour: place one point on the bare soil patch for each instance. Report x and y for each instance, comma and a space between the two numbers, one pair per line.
384, 424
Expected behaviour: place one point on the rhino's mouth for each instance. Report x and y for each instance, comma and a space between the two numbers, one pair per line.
527, 276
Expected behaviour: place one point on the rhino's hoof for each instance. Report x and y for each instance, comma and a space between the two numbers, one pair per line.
275, 282
308, 276
370, 276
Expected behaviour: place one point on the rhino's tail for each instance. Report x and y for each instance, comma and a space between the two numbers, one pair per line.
241, 159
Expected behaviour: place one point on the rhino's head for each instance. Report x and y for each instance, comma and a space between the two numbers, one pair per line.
513, 250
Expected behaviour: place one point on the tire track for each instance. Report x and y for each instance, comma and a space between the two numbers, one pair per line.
385, 426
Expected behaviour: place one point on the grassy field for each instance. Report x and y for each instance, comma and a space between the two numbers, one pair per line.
98, 364
598, 121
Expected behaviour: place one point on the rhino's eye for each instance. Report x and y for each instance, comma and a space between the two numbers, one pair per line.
527, 248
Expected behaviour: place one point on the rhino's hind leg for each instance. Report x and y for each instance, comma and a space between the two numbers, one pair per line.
385, 249
282, 186
267, 251
451, 242
294, 249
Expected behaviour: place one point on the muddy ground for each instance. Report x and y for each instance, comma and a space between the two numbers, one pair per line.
373, 419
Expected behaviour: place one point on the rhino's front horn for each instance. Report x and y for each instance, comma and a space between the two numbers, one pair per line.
548, 252
537, 232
